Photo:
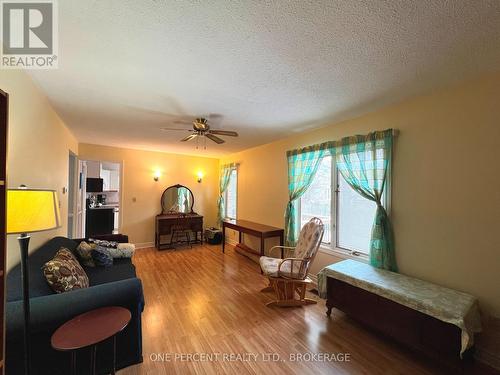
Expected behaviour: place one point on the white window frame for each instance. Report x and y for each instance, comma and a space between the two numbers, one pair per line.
332, 248
226, 198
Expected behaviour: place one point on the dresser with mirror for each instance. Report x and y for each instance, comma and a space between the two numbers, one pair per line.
177, 223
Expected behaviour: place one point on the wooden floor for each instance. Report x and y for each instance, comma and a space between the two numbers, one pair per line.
205, 303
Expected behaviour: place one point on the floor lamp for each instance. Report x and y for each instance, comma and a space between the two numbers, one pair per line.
29, 211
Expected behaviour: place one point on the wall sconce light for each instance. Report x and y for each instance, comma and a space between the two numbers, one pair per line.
200, 176
156, 176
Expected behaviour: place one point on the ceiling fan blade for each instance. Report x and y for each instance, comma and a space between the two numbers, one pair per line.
182, 130
214, 138
224, 132
189, 137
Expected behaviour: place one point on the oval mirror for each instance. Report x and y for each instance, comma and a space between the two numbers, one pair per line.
177, 199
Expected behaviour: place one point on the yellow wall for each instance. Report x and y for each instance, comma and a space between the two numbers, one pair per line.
138, 217
39, 145
446, 184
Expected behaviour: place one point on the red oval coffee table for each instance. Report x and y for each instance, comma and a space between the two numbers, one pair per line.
90, 329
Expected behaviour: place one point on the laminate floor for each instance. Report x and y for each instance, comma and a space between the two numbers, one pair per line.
205, 314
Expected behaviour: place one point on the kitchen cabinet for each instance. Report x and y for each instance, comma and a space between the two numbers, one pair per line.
93, 169
117, 217
111, 179
114, 180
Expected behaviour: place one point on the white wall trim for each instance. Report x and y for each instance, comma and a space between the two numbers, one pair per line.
143, 245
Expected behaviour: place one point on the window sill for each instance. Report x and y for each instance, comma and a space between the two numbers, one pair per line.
344, 254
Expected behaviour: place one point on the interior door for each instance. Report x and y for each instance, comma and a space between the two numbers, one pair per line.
81, 199
72, 193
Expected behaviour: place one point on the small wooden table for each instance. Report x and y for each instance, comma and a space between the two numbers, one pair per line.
254, 229
90, 329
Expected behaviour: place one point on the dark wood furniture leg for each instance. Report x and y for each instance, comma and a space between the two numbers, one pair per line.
73, 362
93, 352
223, 237
113, 368
282, 244
261, 250
329, 307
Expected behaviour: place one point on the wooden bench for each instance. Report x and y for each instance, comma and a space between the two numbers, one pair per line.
440, 323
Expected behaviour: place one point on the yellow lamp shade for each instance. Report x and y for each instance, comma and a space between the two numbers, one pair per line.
30, 210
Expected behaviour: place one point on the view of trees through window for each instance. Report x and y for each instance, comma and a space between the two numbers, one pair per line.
316, 201
355, 218
348, 219
230, 198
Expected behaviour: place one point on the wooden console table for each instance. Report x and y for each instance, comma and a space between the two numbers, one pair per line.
254, 229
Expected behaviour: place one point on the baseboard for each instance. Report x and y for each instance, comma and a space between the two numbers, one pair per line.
490, 359
144, 245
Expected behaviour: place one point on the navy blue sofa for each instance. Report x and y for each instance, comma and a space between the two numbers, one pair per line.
113, 286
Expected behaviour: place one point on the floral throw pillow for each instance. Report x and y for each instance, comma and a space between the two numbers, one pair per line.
84, 251
64, 273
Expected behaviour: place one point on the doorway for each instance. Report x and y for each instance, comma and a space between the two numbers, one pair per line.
98, 199
72, 186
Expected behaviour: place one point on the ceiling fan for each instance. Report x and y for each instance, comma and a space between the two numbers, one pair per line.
202, 130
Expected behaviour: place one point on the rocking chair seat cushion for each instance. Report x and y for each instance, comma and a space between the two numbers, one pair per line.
270, 267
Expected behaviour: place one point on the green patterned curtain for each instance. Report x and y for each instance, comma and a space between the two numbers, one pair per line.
363, 162
225, 174
302, 166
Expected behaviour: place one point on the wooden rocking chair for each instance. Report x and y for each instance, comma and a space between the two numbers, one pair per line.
288, 277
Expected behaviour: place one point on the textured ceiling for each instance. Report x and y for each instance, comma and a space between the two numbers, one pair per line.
270, 68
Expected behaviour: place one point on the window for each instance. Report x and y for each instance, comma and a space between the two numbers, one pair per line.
355, 215
348, 217
316, 201
230, 195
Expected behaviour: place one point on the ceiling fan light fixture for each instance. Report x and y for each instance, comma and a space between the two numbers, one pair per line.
201, 128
